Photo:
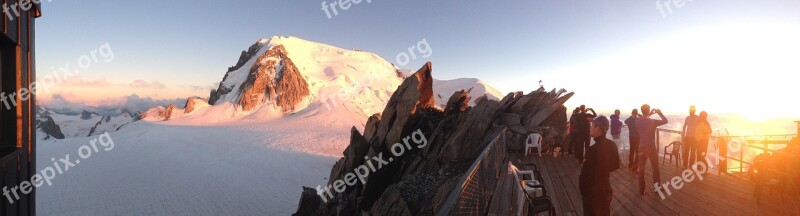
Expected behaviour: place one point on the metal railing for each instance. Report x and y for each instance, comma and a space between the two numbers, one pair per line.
738, 150
475, 190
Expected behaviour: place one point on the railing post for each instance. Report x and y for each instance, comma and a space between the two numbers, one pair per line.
723, 153
741, 158
658, 140
798, 127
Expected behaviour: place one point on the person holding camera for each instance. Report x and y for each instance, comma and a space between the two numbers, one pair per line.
648, 148
582, 138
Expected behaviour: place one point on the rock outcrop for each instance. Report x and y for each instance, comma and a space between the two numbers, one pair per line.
193, 103
86, 115
49, 127
159, 113
167, 113
418, 181
112, 123
276, 79
272, 78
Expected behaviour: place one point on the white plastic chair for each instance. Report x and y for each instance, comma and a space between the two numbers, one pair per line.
519, 176
534, 141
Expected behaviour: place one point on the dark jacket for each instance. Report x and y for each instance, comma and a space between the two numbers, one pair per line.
633, 133
573, 123
583, 121
602, 158
703, 129
647, 132
616, 125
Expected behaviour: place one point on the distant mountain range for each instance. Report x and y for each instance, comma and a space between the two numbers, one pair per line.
278, 77
53, 125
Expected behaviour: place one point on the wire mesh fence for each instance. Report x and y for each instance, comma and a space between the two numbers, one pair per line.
475, 190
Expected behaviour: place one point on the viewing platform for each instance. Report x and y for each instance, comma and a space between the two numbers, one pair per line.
714, 195
490, 186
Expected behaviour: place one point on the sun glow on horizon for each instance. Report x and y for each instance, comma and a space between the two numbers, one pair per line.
737, 67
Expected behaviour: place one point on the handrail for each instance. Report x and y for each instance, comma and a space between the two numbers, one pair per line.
446, 208
749, 142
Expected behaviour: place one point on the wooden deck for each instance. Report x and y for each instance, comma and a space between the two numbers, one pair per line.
714, 195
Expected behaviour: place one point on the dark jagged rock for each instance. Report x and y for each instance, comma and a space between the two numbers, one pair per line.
391, 203
86, 115
310, 204
415, 92
49, 127
419, 181
467, 142
459, 101
353, 156
245, 56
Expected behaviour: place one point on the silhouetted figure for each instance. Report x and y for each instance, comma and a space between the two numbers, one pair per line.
572, 124
601, 159
616, 125
633, 138
703, 135
583, 139
648, 148
689, 137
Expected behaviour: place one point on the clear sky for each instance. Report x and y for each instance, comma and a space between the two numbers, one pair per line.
732, 56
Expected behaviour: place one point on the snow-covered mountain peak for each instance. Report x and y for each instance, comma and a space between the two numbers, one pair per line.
476, 88
292, 75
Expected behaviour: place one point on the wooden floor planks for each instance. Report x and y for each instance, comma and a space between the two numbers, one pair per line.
714, 195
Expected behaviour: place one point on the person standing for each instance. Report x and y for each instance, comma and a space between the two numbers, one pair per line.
633, 140
648, 148
602, 158
616, 125
571, 137
582, 136
703, 135
689, 137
